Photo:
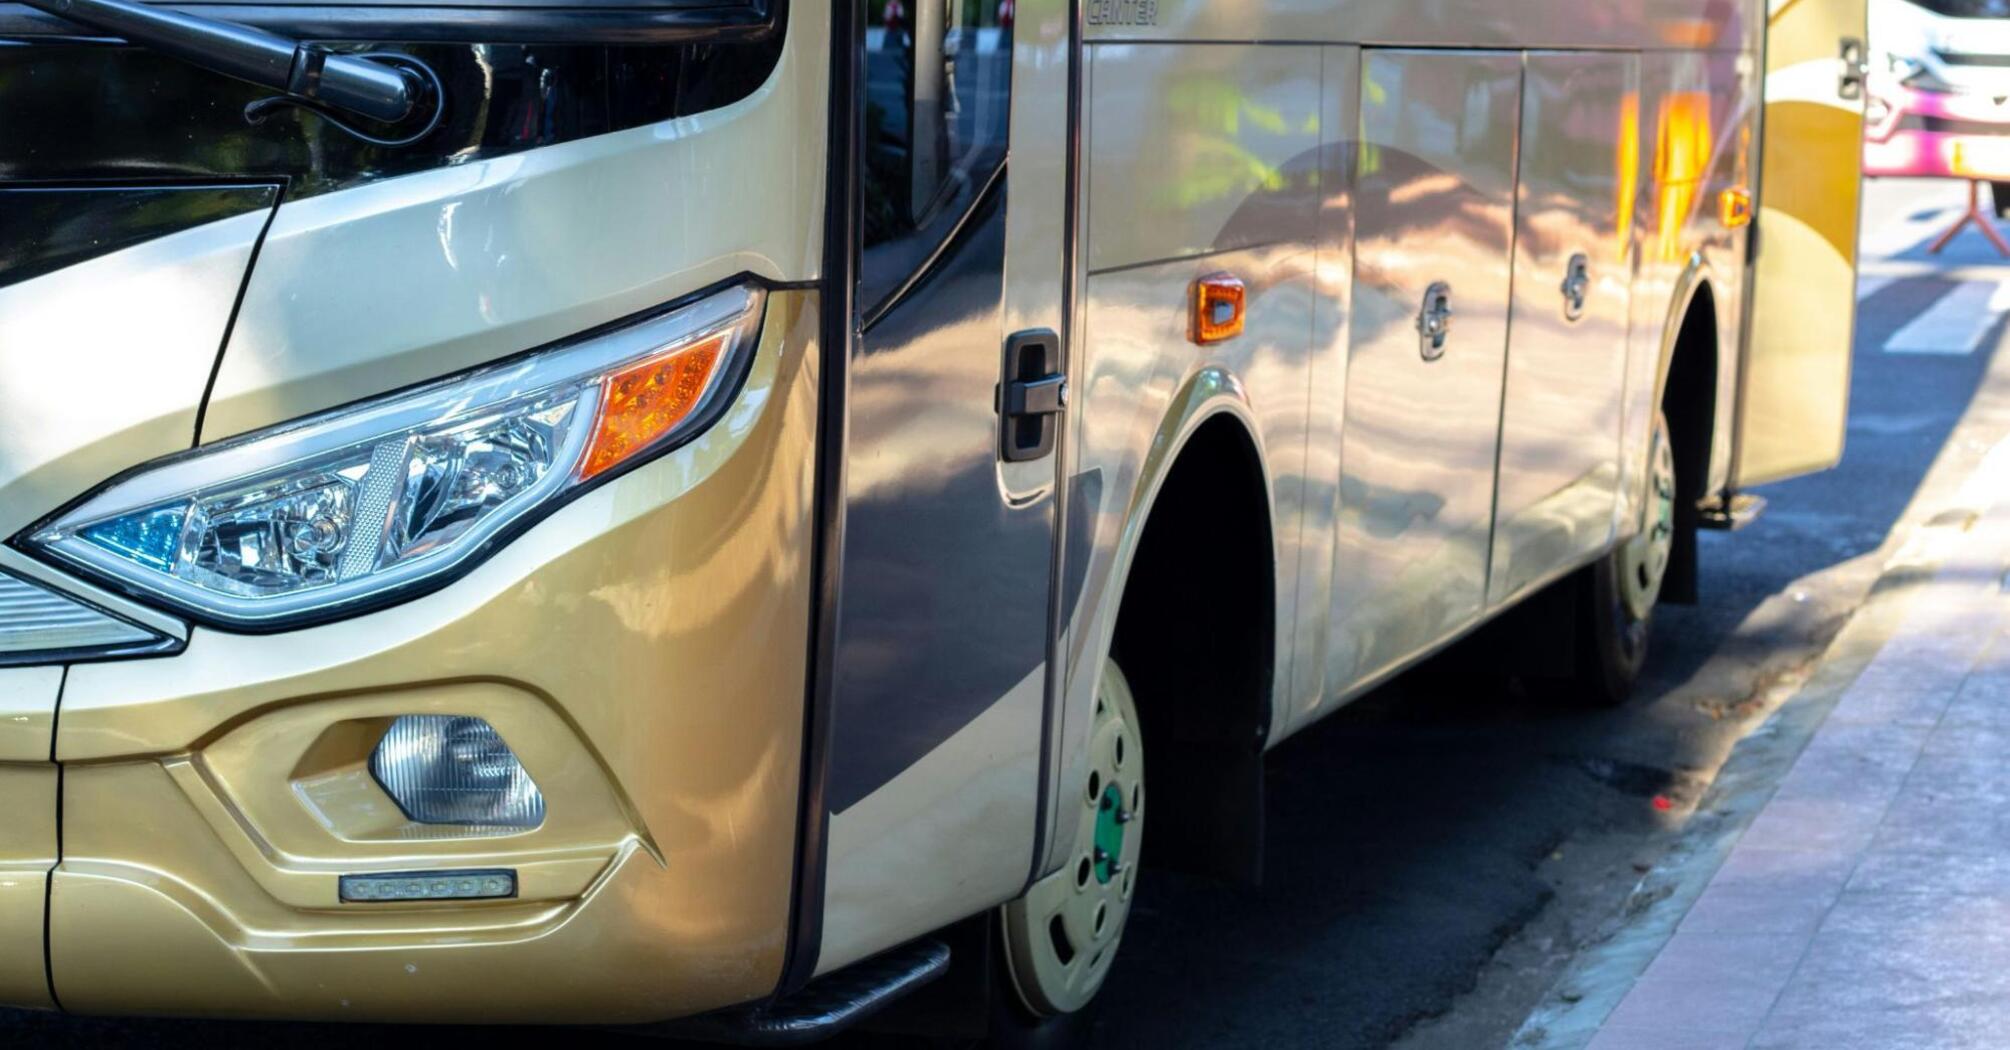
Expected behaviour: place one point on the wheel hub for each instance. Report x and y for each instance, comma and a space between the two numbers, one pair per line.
1645, 561
1061, 937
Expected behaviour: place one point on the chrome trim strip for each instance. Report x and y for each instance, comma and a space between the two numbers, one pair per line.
15, 563
34, 619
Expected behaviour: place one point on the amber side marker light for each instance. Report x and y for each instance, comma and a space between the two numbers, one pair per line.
648, 399
1734, 206
1217, 305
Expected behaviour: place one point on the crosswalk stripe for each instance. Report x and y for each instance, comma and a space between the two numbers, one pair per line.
1871, 284
1956, 323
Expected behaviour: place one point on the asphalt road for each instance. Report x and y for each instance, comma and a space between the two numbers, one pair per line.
1437, 850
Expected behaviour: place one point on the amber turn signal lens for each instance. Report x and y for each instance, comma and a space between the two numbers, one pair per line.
645, 401
1734, 206
1217, 305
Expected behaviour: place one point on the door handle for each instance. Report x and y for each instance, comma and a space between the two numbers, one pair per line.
1855, 68
1576, 286
1032, 395
1434, 321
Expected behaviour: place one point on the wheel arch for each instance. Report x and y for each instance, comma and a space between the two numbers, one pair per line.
1194, 624
1686, 389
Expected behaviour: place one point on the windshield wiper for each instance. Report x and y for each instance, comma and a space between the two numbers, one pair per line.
382, 87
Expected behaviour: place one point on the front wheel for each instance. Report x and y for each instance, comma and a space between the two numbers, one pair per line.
1061, 936
1617, 593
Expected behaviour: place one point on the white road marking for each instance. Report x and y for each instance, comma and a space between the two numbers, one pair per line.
1906, 232
1871, 284
1956, 323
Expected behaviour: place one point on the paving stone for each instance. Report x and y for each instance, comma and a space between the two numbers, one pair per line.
1983, 701
1959, 776
1900, 987
1983, 742
1735, 909
1979, 923
1853, 1033
1888, 745
1847, 775
1610, 1038
1710, 983
1897, 701
1759, 959
1785, 870
1995, 658
1726, 1005
1927, 823
1972, 874
1814, 824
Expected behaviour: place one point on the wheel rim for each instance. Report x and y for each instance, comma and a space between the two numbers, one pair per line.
1644, 563
1061, 937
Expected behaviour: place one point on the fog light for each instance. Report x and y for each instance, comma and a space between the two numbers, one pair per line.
455, 769
429, 885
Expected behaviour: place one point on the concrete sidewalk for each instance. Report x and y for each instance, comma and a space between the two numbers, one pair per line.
1867, 904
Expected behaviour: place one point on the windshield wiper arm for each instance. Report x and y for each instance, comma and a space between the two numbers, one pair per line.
312, 76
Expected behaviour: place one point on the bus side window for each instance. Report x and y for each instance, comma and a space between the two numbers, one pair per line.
938, 84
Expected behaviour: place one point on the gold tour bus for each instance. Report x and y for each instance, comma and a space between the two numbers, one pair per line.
722, 514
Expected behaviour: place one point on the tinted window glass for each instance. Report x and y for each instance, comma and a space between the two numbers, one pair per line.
1968, 8
938, 82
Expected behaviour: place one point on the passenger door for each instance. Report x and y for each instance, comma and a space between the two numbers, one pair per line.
941, 663
1560, 423
1793, 390
1434, 228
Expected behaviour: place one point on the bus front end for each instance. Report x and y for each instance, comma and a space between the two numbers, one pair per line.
406, 594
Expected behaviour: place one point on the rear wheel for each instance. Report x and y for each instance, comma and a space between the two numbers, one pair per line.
1617, 593
1061, 937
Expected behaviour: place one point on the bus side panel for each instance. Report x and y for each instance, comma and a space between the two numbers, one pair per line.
1326, 378
1548, 24
1199, 159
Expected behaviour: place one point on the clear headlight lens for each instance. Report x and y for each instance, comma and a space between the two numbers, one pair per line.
455, 769
311, 518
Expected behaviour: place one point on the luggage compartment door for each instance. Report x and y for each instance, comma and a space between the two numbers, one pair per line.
1434, 229
1794, 376
1566, 366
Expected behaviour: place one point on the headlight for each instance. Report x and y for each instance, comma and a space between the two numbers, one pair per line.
311, 519
1915, 75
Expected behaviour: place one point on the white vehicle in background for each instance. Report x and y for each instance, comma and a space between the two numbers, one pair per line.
1939, 102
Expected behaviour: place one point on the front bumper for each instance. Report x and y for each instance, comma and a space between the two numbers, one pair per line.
1935, 134
642, 651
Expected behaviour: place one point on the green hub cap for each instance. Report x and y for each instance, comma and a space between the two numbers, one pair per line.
1644, 560
1111, 817
1061, 937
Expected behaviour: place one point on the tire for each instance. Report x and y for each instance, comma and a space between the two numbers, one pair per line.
1999, 195
1617, 593
1060, 938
